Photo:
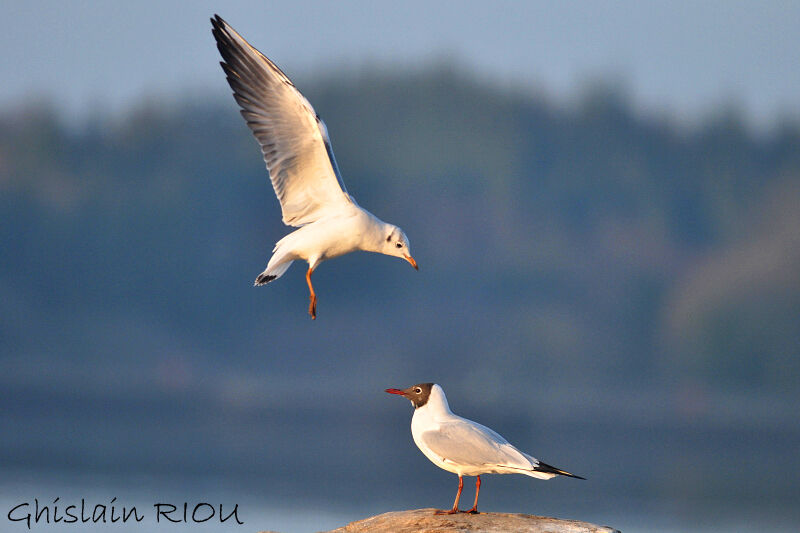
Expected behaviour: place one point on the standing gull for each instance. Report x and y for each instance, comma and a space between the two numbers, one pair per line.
462, 446
301, 166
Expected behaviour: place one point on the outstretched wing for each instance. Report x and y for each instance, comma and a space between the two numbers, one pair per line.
471, 444
293, 139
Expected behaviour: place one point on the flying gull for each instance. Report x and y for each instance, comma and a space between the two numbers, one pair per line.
301, 166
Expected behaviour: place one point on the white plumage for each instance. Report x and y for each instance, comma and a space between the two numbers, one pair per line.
301, 166
462, 446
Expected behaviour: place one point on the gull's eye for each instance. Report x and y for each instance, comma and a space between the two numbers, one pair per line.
399, 244
418, 390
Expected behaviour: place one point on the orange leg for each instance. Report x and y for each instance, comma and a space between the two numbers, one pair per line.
454, 510
312, 307
474, 509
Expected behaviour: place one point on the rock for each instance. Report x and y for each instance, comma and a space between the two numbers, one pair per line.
425, 521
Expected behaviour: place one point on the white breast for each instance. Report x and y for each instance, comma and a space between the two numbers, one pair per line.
429, 417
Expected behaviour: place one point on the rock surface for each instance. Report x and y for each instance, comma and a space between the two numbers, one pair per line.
425, 521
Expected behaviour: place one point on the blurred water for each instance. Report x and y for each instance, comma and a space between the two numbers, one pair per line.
299, 459
291, 517
295, 515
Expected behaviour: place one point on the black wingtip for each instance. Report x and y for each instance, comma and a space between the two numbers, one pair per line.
218, 22
544, 467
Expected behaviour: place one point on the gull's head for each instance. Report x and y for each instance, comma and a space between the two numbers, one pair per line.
417, 394
396, 243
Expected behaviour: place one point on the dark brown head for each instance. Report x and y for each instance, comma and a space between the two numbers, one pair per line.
418, 394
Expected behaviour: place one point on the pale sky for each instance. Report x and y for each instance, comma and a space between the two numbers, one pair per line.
674, 57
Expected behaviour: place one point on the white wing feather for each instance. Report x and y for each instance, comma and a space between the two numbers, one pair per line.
293, 139
470, 443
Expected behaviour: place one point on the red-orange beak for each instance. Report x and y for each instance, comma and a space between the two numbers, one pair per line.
395, 391
413, 264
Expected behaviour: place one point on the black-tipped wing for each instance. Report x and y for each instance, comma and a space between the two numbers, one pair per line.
547, 469
293, 139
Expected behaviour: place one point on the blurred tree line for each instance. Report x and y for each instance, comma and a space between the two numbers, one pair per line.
622, 243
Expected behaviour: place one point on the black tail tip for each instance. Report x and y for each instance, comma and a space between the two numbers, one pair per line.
263, 279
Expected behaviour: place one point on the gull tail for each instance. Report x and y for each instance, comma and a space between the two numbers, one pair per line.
272, 273
547, 469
